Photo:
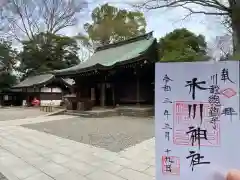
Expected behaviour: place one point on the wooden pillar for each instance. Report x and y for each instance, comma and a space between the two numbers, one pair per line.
138, 93
103, 91
113, 95
76, 89
138, 88
93, 97
51, 99
103, 94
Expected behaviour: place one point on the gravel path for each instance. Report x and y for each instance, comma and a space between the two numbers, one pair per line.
11, 113
112, 133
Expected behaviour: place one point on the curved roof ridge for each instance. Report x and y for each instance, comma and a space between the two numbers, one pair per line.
127, 41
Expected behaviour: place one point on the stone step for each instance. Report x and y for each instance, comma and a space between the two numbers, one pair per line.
77, 114
136, 112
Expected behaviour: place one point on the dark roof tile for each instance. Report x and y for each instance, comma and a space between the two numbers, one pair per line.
110, 55
35, 80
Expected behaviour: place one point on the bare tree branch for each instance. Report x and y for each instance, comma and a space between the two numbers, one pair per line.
191, 11
25, 18
214, 4
230, 10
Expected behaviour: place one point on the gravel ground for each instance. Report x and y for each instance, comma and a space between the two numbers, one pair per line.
11, 113
2, 177
112, 133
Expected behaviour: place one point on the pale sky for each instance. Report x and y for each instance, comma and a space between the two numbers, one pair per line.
162, 21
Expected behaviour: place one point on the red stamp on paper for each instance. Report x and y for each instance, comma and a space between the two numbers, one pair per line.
188, 113
228, 92
170, 165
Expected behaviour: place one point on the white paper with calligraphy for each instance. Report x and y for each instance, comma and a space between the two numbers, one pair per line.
197, 122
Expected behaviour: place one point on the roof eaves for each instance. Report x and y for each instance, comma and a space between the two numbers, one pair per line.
66, 83
35, 84
100, 67
96, 66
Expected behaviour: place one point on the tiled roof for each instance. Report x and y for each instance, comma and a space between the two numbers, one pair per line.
113, 54
35, 80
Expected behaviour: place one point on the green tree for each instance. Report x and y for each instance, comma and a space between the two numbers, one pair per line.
111, 25
229, 9
182, 45
7, 80
7, 62
48, 52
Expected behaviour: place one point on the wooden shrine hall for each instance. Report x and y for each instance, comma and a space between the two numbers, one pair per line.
45, 87
115, 75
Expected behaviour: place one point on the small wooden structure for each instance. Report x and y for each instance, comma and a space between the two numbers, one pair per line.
10, 98
46, 108
70, 101
45, 87
117, 74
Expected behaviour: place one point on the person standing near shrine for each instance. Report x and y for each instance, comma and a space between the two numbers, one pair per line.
35, 102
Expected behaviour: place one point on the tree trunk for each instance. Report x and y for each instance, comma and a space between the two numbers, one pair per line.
236, 37
235, 17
